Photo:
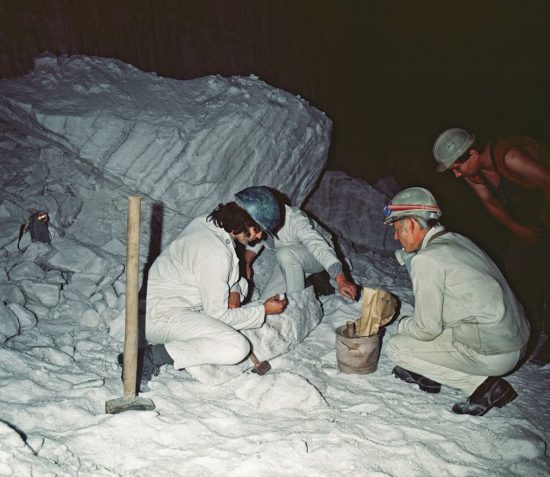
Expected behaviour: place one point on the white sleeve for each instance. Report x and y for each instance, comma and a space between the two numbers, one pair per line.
428, 279
317, 245
212, 275
236, 288
241, 287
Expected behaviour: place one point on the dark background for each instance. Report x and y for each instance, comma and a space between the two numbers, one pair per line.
390, 74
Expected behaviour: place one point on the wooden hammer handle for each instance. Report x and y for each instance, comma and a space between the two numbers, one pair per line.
254, 359
132, 288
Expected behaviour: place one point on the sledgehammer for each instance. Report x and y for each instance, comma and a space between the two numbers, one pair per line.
129, 401
260, 367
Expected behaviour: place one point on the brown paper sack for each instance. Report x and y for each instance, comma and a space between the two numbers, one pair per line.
377, 310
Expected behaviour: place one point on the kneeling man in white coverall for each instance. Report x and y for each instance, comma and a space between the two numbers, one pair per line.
194, 291
468, 328
300, 250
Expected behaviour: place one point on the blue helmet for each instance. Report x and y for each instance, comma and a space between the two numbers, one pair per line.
262, 205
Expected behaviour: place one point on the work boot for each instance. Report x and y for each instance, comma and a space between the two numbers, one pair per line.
424, 383
494, 391
321, 283
150, 359
147, 368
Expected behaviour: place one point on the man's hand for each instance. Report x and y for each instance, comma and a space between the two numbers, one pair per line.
234, 300
274, 305
345, 287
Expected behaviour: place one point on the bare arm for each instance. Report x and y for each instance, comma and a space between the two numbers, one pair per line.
521, 163
249, 257
526, 233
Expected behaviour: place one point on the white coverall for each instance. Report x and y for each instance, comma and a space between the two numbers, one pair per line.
467, 323
301, 250
187, 299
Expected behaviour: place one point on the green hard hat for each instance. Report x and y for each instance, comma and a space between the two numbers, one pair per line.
415, 201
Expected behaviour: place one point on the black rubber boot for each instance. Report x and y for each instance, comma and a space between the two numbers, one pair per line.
321, 283
494, 391
147, 369
150, 359
154, 356
424, 383
160, 355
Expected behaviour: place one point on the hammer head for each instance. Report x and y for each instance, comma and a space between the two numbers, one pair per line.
261, 368
137, 403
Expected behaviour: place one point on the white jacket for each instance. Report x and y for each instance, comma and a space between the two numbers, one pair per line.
196, 272
298, 228
456, 285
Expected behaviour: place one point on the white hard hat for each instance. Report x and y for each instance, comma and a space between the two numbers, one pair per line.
415, 201
450, 145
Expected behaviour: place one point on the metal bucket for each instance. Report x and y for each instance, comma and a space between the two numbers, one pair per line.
357, 355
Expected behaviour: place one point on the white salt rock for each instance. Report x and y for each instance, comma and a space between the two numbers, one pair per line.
9, 324
26, 270
27, 319
11, 293
45, 293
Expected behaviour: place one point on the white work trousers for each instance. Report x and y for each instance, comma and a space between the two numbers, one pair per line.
452, 364
192, 338
294, 264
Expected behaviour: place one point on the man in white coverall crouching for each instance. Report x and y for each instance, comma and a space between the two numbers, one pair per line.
468, 329
300, 251
194, 291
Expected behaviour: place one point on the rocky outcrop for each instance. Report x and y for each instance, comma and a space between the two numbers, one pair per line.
353, 210
190, 144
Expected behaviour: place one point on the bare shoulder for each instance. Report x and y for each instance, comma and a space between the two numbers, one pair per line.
523, 163
518, 156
